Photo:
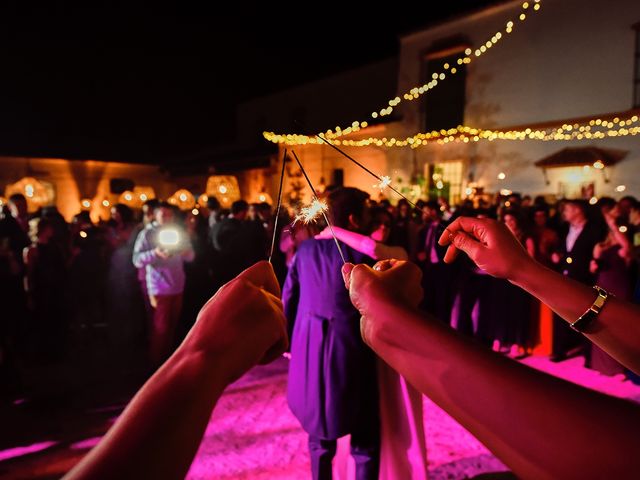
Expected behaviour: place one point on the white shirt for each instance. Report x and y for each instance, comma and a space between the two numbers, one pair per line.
572, 236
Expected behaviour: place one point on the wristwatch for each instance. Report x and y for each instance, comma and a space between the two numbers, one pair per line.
582, 323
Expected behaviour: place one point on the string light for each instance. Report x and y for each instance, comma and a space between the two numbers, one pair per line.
595, 128
417, 91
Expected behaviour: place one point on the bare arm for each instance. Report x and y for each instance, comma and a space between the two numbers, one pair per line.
159, 432
538, 425
620, 237
495, 250
365, 244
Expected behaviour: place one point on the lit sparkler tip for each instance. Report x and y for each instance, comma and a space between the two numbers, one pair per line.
385, 181
311, 212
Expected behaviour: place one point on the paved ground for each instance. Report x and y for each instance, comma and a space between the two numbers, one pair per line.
251, 435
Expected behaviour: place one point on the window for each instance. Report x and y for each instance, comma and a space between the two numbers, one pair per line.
444, 105
445, 180
636, 76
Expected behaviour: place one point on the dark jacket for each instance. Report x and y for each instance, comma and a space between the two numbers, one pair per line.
332, 374
575, 263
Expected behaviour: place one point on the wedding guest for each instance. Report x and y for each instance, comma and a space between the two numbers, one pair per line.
332, 386
165, 279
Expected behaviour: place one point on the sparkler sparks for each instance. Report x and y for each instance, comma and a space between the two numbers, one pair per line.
310, 213
385, 181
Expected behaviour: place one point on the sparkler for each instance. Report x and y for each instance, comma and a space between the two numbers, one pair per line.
275, 222
322, 210
310, 213
385, 181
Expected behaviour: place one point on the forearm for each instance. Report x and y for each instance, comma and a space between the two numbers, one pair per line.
159, 432
540, 426
357, 241
143, 258
368, 246
616, 330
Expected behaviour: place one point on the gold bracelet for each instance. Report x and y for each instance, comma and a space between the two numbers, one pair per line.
587, 318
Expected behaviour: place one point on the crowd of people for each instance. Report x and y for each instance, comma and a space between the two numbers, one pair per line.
564, 430
67, 286
138, 285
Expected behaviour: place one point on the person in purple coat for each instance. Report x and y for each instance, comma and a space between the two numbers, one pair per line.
332, 388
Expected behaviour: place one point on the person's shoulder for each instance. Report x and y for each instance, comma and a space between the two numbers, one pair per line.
309, 245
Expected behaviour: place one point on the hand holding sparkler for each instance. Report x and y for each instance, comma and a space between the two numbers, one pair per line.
374, 291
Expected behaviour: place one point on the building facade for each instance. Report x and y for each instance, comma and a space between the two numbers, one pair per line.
565, 63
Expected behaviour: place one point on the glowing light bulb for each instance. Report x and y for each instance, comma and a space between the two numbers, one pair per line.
105, 203
143, 197
593, 200
183, 197
195, 211
222, 189
598, 164
502, 176
169, 237
83, 234
86, 203
621, 188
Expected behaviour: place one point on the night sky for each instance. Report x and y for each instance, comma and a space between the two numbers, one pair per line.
152, 85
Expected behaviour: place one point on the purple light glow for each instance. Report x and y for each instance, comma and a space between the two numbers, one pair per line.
25, 450
86, 443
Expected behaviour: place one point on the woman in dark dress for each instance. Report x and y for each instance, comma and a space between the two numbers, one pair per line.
199, 286
45, 280
511, 306
611, 263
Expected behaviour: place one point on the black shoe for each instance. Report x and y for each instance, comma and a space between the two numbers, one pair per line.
555, 358
523, 355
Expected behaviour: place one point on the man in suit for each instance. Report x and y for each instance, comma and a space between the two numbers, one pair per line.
332, 386
437, 275
238, 243
578, 238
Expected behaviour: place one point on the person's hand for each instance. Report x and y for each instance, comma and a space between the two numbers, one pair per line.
162, 253
389, 282
490, 245
611, 217
324, 234
243, 323
556, 257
